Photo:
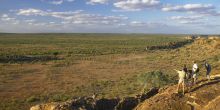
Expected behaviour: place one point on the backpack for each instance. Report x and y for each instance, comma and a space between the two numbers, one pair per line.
208, 67
189, 74
197, 70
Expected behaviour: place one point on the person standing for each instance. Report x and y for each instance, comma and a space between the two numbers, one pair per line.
181, 82
208, 70
195, 71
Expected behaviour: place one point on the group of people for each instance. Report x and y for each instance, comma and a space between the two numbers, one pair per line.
190, 76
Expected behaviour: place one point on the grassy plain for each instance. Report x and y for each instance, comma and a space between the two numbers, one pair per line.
38, 68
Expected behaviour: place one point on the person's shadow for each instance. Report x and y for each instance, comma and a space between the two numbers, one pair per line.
200, 83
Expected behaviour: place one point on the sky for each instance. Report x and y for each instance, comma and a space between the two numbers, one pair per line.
110, 16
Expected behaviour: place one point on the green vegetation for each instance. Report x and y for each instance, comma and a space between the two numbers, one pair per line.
77, 46
155, 79
38, 68
126, 86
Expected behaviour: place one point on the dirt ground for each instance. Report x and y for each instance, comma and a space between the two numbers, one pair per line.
203, 96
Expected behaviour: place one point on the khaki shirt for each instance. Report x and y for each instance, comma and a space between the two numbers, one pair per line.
182, 74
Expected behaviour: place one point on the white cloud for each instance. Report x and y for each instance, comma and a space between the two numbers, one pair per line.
94, 19
74, 17
7, 19
191, 22
202, 9
192, 18
211, 25
40, 24
73, 21
136, 5
70, 0
31, 11
93, 2
30, 20
146, 24
137, 23
198, 8
57, 2
4, 15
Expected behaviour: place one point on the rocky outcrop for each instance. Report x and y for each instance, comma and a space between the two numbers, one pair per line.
91, 103
171, 45
214, 37
203, 96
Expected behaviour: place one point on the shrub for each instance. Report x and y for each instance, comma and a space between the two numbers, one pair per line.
32, 99
59, 97
154, 79
55, 53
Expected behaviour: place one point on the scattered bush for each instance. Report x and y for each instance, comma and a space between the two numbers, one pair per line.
55, 53
155, 79
25, 58
59, 97
126, 86
32, 99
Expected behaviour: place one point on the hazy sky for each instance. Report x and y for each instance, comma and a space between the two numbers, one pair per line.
111, 16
